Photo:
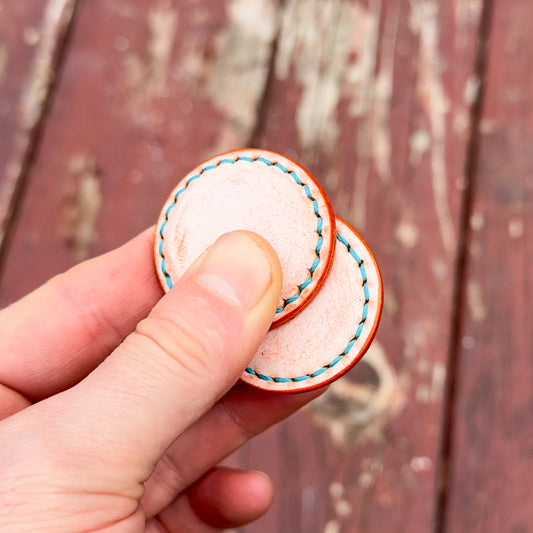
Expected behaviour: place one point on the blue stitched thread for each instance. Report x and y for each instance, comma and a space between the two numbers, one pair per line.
291, 173
350, 344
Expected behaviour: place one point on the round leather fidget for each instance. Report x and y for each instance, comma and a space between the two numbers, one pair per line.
253, 190
330, 335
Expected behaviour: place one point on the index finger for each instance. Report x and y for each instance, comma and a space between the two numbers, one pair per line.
55, 336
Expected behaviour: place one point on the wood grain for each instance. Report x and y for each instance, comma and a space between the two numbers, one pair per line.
148, 91
492, 452
31, 40
373, 98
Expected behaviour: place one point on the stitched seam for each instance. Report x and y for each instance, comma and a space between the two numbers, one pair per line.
294, 176
350, 344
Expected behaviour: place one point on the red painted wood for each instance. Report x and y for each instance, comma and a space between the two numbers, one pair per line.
31, 39
370, 97
390, 152
492, 453
144, 96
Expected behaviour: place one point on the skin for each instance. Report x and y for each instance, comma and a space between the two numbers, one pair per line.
117, 402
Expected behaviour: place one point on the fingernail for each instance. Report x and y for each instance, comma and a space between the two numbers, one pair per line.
237, 268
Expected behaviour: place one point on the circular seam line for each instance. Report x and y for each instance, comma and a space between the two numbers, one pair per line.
291, 173
350, 344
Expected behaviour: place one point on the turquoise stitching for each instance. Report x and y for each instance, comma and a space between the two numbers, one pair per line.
350, 344
291, 173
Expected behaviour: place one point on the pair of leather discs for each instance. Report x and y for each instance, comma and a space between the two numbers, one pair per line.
332, 293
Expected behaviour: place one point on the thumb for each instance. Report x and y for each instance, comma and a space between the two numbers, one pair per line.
181, 359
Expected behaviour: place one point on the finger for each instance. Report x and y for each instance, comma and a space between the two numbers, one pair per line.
11, 402
55, 336
223, 498
180, 360
243, 413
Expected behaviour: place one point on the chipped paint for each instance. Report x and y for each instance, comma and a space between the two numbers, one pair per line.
476, 304
477, 220
332, 526
419, 144
488, 126
238, 73
346, 36
407, 233
31, 35
85, 206
315, 41
466, 14
57, 16
162, 24
421, 464
362, 89
352, 411
343, 508
471, 90
424, 23
381, 136
147, 76
434, 391
516, 228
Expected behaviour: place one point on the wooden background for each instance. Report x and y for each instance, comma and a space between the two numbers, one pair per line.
417, 118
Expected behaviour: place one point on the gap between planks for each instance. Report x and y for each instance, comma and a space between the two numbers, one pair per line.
460, 271
48, 63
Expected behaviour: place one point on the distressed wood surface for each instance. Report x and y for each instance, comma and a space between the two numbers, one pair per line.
148, 90
31, 39
492, 452
374, 98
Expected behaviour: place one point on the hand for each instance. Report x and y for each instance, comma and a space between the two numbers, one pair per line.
114, 421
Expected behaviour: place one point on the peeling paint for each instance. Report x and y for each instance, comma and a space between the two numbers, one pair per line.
424, 23
332, 526
148, 76
352, 411
477, 220
461, 121
471, 91
516, 228
381, 135
346, 34
343, 508
466, 14
419, 144
316, 39
407, 233
432, 392
363, 76
476, 305
85, 206
31, 35
488, 126
57, 16
239, 70
421, 464
371, 469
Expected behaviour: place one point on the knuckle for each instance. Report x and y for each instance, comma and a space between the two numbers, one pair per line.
193, 342
244, 426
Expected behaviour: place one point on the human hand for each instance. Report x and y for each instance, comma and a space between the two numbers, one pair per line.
107, 436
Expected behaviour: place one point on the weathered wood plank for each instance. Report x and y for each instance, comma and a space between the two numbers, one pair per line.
149, 90
370, 96
492, 446
374, 97
31, 40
